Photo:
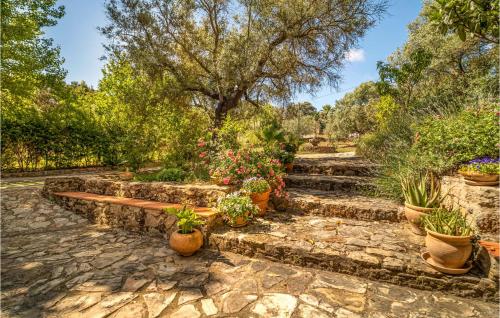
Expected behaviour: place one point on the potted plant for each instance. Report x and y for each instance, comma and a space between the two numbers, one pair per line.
287, 156
258, 189
187, 239
482, 171
448, 240
422, 195
237, 209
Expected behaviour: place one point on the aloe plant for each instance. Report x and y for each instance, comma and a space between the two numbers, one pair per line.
424, 190
448, 222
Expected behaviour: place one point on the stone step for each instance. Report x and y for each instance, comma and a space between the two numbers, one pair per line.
379, 251
326, 203
334, 166
344, 184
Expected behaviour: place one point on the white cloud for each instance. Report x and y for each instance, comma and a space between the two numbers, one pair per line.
355, 55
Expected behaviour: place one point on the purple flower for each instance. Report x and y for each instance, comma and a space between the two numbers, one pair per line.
483, 160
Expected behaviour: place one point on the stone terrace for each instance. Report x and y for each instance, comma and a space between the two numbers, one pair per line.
56, 264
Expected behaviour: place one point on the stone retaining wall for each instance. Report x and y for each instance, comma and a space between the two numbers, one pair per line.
170, 192
480, 203
151, 221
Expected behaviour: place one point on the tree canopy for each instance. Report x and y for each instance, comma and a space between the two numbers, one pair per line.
226, 51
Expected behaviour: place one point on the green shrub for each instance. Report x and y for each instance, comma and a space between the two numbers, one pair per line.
166, 174
444, 143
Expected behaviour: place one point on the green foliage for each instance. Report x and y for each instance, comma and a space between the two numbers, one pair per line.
166, 174
235, 205
482, 168
255, 185
226, 51
448, 222
444, 143
187, 219
353, 114
422, 190
477, 18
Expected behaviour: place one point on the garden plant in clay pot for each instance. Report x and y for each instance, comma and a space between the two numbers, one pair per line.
237, 209
258, 189
422, 194
187, 239
448, 241
481, 172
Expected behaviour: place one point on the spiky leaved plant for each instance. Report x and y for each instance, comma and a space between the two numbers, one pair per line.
423, 190
448, 222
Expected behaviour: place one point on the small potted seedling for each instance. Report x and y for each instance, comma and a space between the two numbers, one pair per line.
258, 189
237, 209
187, 239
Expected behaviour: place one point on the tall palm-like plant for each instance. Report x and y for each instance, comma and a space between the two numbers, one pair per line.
424, 190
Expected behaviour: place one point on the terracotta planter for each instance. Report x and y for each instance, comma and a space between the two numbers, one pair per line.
413, 215
448, 251
261, 200
186, 244
289, 167
240, 221
480, 179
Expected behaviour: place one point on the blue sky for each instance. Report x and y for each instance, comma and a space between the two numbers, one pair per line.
81, 45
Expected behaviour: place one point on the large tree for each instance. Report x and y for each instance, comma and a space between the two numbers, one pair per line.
224, 51
29, 61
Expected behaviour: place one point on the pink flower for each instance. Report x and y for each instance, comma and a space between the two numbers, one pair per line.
271, 172
201, 144
226, 180
203, 154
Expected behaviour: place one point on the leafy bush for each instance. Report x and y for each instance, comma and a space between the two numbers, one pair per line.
444, 143
255, 185
166, 174
187, 219
228, 167
236, 205
447, 222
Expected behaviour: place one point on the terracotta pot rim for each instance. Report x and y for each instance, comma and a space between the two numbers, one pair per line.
448, 237
418, 208
477, 174
187, 234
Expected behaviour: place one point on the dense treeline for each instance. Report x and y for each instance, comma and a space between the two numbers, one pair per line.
434, 105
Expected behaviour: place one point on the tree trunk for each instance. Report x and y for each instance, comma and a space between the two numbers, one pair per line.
220, 114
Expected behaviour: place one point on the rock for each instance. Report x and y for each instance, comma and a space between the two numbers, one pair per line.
309, 299
133, 284
189, 295
134, 309
306, 311
157, 302
76, 303
234, 301
275, 305
344, 313
352, 301
209, 307
186, 311
110, 304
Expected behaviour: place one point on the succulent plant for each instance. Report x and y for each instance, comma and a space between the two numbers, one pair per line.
423, 190
448, 222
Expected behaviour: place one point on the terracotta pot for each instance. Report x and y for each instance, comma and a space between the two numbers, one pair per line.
289, 167
413, 215
261, 200
448, 251
480, 177
186, 244
240, 221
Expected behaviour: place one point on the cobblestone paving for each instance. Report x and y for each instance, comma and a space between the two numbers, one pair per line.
55, 264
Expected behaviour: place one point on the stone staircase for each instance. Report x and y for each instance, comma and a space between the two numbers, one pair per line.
329, 223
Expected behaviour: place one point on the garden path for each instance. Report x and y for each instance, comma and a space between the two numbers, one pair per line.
56, 264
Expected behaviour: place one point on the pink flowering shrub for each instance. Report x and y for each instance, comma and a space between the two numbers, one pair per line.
231, 168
